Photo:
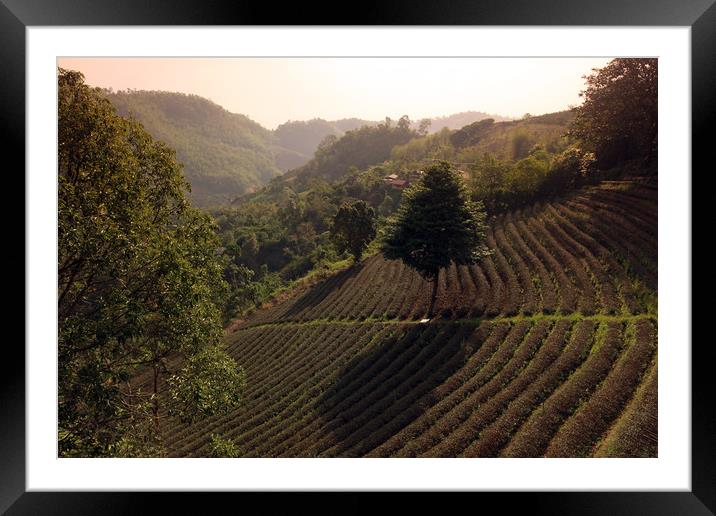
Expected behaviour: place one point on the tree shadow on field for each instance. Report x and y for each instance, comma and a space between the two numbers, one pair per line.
384, 389
316, 294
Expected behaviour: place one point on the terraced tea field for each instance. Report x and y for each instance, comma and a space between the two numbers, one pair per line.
546, 348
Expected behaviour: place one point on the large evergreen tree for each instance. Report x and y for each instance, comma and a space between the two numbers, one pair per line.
139, 282
437, 224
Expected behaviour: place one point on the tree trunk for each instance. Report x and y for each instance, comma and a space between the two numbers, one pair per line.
434, 296
155, 405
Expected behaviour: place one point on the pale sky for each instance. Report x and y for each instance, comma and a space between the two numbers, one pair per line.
274, 90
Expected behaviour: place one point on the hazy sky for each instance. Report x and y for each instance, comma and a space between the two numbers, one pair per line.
274, 90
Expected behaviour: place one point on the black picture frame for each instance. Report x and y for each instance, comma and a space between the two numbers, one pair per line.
700, 15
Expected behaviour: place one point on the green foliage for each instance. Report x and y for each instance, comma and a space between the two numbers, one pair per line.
139, 275
358, 148
210, 383
353, 228
505, 140
471, 134
502, 185
287, 230
437, 224
387, 206
488, 182
618, 119
417, 150
224, 154
460, 120
241, 288
304, 137
520, 143
224, 448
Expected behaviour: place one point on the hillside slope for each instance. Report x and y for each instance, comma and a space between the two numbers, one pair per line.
546, 348
224, 154
298, 140
458, 120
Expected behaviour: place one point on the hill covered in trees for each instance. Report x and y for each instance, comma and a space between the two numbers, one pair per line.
302, 138
226, 154
403, 147
458, 120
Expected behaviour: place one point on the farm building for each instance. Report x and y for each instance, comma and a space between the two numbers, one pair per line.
399, 183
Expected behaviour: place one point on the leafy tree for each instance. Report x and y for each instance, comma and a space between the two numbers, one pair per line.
488, 182
290, 208
249, 250
241, 289
139, 278
353, 228
386, 207
424, 126
520, 144
209, 383
437, 224
618, 119
222, 447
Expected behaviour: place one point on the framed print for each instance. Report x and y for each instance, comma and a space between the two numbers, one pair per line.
421, 252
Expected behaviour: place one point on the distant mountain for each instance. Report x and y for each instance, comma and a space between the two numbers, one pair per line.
458, 120
354, 150
299, 140
224, 154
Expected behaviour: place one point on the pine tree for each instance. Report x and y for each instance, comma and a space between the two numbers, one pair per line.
437, 224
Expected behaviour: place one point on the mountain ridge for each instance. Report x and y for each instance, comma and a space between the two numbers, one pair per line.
228, 154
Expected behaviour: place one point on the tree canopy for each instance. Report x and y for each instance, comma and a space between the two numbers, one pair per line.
618, 119
359, 148
353, 228
437, 224
139, 277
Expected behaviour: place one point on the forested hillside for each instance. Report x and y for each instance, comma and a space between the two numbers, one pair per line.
458, 120
298, 140
302, 137
357, 149
139, 281
224, 154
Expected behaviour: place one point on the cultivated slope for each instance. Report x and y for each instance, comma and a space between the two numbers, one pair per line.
546, 348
